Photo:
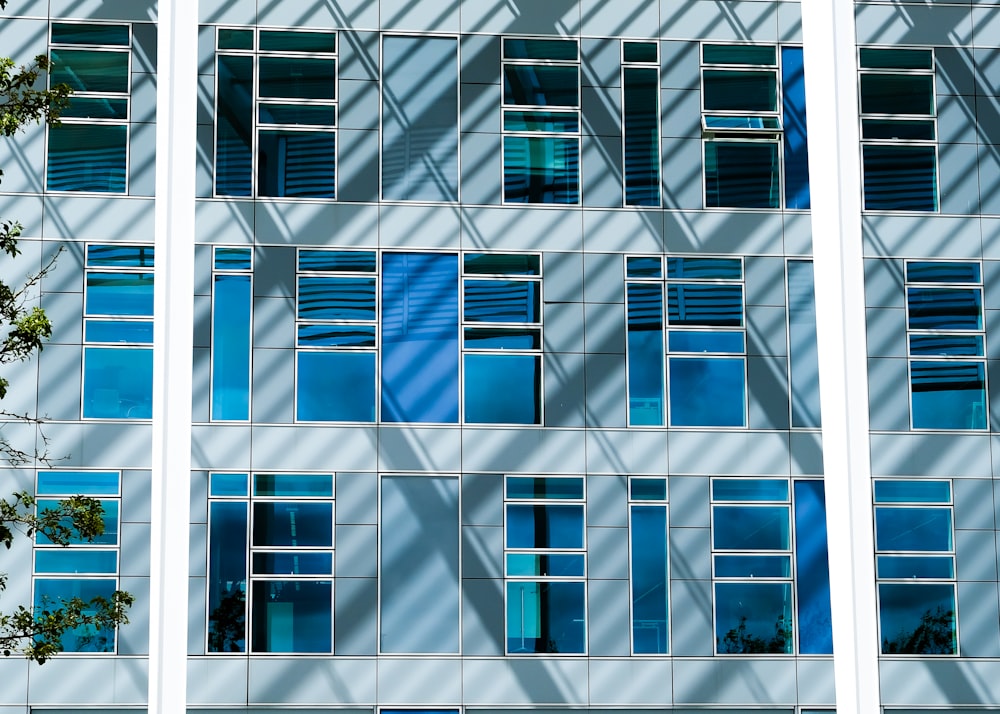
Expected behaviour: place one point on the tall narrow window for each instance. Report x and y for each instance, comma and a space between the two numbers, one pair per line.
276, 113
947, 349
336, 313
88, 149
898, 129
648, 554
502, 338
641, 95
645, 340
545, 565
232, 296
915, 566
118, 332
419, 118
794, 138
541, 121
83, 569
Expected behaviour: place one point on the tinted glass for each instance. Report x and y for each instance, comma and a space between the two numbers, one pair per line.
292, 616
76, 561
541, 85
234, 126
738, 54
919, 529
71, 483
703, 305
645, 354
96, 108
707, 392
750, 528
648, 489
297, 77
231, 347
544, 526
283, 41
945, 308
897, 129
319, 485
743, 489
741, 174
109, 518
705, 268
294, 523
543, 487
703, 341
897, 94
502, 264
948, 395
753, 566
138, 332
502, 389
336, 336
753, 618
119, 293
649, 578
228, 485
639, 51
917, 618
293, 563
229, 39
555, 565
947, 345
641, 92
87, 157
545, 617
501, 301
335, 386
644, 267
563, 122
233, 259
812, 582
942, 271
227, 574
90, 70
541, 169
66, 33
895, 58
539, 49
121, 256
911, 568
912, 492
303, 114
335, 298
296, 164
501, 339
117, 383
740, 91
900, 178
86, 638
337, 261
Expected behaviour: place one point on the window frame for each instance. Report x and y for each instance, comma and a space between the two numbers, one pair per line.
654, 65
664, 503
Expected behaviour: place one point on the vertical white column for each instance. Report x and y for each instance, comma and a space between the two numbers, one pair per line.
828, 36
176, 97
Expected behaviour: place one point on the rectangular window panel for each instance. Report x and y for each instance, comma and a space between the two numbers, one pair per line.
71, 483
649, 579
87, 71
335, 386
545, 617
117, 383
641, 90
77, 561
87, 157
753, 618
541, 169
73, 33
296, 164
917, 618
750, 528
231, 305
292, 616
795, 142
740, 90
741, 174
544, 487
544, 526
50, 594
502, 389
292, 524
707, 392
234, 126
812, 585
419, 119
948, 395
227, 575
419, 588
934, 308
645, 353
897, 94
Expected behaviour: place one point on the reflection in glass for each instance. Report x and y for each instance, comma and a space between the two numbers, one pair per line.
292, 616
541, 169
545, 617
49, 594
645, 352
227, 576
918, 528
293, 523
948, 395
900, 178
117, 383
544, 526
296, 164
750, 528
87, 157
741, 174
707, 392
917, 618
753, 618
649, 579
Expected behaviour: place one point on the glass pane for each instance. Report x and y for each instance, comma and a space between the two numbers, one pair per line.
541, 169
87, 157
119, 294
541, 85
120, 256
639, 52
739, 54
916, 529
502, 264
740, 91
747, 122
705, 268
753, 618
229, 39
895, 58
90, 70
793, 113
227, 574
292, 616
502, 339
644, 267
71, 483
333, 298
234, 126
117, 383
812, 573
296, 164
233, 259
948, 395
49, 594
228, 485
502, 301
562, 122
109, 519
645, 353
293, 563
648, 489
750, 528
544, 526
502, 389
942, 271
897, 94
336, 336
318, 485
707, 392
897, 129
900, 178
545, 617
134, 331
303, 114
293, 523
515, 48
335, 386
77, 561
96, 108
753, 566
747, 489
558, 565
285, 41
544, 487
945, 308
66, 33
297, 77
689, 341
231, 304
641, 92
649, 578
705, 305
912, 492
911, 568
337, 261
917, 618
741, 174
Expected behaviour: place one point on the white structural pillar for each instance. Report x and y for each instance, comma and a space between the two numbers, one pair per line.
173, 315
831, 76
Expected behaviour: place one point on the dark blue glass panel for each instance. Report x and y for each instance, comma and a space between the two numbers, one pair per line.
296, 164
917, 618
323, 297
503, 389
502, 339
298, 78
233, 259
67, 33
117, 383
50, 594
707, 392
649, 579
705, 268
229, 485
639, 52
544, 487
87, 157
230, 39
541, 85
90, 70
645, 353
897, 129
420, 337
803, 353
749, 489
644, 266
110, 520
913, 567
71, 483
75, 560
292, 616
897, 94
297, 114
945, 308
641, 92
648, 489
501, 301
502, 264
738, 54
916, 529
336, 336
335, 386
753, 566
231, 347
812, 569
793, 112
120, 294
131, 331
293, 563
544, 526
741, 174
541, 169
912, 491
739, 90
948, 395
288, 41
900, 178
753, 618
96, 108
560, 565
298, 485
337, 261
120, 256
293, 523
690, 341
227, 576
545, 617
234, 126
517, 48
895, 58
939, 271
750, 528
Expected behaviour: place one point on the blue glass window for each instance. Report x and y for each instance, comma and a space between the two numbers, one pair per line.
812, 584
641, 129
50, 593
292, 616
232, 298
545, 617
649, 566
541, 121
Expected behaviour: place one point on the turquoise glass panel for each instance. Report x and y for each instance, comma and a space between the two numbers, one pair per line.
120, 256
96, 108
753, 618
913, 567
335, 386
229, 485
74, 560
72, 33
544, 526
231, 303
557, 565
289, 41
948, 395
502, 388
895, 58
640, 52
292, 616
645, 353
227, 575
541, 169
707, 392
541, 85
233, 259
50, 593
741, 174
917, 618
545, 617
648, 489
557, 122
230, 39
129, 294
502, 264
296, 485
90, 70
71, 483
739, 90
753, 566
117, 383
109, 518
482, 338
517, 48
544, 487
749, 489
739, 54
906, 129
748, 122
898, 491
297, 78
131, 331
296, 164
750, 528
649, 579
87, 157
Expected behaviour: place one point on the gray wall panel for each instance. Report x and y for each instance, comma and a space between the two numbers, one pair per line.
608, 617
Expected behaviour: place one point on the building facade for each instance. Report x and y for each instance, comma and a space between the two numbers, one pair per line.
488, 347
